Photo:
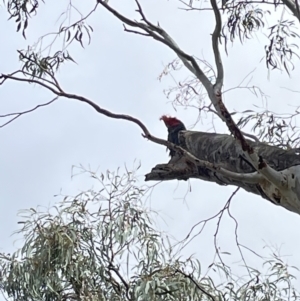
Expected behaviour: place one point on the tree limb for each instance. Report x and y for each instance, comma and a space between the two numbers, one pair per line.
189, 276
215, 45
223, 151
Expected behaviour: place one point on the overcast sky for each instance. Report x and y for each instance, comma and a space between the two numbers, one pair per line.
119, 71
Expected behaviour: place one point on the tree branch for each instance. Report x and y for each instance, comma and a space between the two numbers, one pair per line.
162, 36
4, 77
189, 276
17, 115
294, 7
215, 45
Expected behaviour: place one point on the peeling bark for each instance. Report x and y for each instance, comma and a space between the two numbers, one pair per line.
224, 151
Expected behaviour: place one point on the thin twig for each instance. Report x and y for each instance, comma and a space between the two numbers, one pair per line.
237, 240
18, 114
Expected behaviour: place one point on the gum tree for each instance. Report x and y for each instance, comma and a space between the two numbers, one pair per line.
102, 245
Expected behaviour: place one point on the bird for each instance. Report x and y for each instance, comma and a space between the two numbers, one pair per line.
174, 126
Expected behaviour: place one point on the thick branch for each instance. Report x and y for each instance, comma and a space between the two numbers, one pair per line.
85, 100
215, 45
224, 151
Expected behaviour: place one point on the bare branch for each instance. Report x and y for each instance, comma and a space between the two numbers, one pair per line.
203, 222
17, 115
237, 239
221, 213
215, 45
146, 133
4, 77
162, 36
135, 31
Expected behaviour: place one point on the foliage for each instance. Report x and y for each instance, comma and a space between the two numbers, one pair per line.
280, 51
21, 11
277, 129
102, 245
242, 20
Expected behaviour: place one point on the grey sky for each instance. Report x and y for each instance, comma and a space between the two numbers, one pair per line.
119, 72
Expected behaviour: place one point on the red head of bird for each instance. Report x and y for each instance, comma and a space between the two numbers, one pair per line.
170, 121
